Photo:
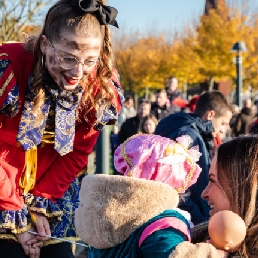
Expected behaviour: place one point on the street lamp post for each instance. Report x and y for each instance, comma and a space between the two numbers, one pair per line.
238, 48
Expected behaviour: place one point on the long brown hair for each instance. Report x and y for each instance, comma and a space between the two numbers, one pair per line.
237, 170
63, 17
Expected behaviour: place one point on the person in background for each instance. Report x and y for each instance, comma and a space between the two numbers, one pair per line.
127, 110
176, 102
57, 91
159, 108
149, 124
152, 98
210, 118
113, 138
133, 125
244, 119
113, 142
232, 123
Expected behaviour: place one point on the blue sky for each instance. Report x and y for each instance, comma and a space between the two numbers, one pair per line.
162, 14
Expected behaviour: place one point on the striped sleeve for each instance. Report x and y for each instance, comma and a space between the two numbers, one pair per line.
8, 87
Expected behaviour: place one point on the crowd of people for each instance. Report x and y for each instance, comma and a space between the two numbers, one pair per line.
218, 128
176, 162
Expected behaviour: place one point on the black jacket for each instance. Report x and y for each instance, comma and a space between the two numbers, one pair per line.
159, 112
244, 121
130, 127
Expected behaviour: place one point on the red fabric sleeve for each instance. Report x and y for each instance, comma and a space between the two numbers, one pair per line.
65, 168
9, 196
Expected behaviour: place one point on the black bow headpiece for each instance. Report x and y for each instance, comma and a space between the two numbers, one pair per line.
105, 14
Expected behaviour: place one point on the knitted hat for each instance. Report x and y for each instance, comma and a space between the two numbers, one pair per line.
160, 159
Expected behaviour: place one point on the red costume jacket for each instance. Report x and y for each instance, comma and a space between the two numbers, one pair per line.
54, 172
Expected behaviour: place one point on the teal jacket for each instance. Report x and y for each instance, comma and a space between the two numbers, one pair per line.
167, 239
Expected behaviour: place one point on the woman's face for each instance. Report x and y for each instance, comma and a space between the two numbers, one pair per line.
149, 126
60, 58
213, 193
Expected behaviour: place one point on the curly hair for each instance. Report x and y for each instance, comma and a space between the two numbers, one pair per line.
62, 17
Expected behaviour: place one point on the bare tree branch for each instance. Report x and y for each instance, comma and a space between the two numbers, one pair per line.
16, 16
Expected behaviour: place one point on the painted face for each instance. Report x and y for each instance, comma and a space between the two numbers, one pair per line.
221, 124
70, 59
149, 126
213, 193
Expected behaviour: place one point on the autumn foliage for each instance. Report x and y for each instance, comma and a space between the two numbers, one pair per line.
201, 52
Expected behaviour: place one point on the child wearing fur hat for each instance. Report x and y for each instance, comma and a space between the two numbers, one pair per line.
136, 215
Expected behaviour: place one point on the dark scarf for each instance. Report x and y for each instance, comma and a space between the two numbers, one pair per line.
59, 113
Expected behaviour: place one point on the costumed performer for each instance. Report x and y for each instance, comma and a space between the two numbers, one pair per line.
57, 91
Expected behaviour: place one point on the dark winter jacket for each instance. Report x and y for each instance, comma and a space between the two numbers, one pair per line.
159, 112
244, 121
130, 127
179, 124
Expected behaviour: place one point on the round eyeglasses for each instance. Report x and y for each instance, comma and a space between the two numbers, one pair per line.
69, 62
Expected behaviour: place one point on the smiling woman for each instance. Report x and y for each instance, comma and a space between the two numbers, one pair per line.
64, 67
57, 91
214, 193
233, 186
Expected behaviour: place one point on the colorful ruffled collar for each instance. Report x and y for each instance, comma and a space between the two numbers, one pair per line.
62, 103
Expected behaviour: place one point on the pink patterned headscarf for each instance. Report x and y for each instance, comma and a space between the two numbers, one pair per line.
160, 159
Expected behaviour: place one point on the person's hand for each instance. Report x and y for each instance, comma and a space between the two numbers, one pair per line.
43, 229
34, 251
24, 238
42, 226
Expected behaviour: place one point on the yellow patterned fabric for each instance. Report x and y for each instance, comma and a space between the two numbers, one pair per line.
28, 178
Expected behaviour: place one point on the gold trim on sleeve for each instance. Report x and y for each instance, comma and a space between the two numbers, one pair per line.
6, 83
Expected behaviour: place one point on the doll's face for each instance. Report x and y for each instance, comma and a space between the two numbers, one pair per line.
227, 230
213, 193
71, 58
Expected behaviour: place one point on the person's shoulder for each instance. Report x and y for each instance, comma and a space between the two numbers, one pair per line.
15, 52
131, 119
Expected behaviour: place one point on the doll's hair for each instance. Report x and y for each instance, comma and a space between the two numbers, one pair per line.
63, 17
237, 169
